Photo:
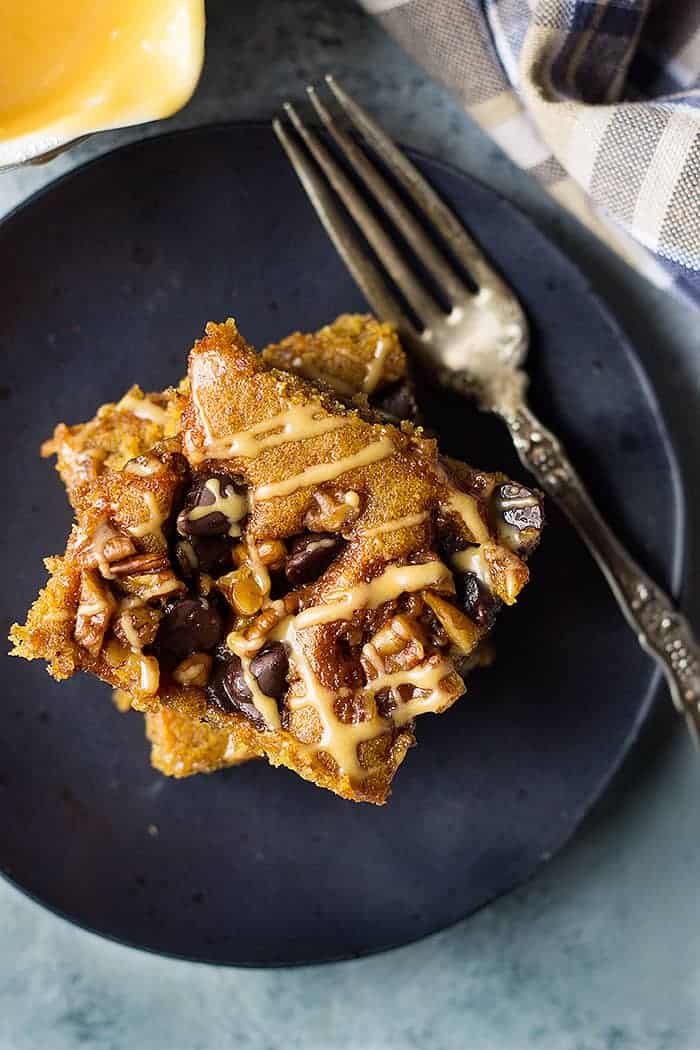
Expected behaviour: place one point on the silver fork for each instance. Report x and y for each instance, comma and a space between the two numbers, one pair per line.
478, 347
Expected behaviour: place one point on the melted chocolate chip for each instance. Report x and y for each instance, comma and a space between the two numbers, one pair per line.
270, 668
519, 507
279, 585
386, 703
189, 626
478, 603
209, 554
398, 400
202, 495
186, 558
229, 691
310, 556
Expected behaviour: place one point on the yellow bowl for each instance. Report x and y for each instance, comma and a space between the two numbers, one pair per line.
75, 67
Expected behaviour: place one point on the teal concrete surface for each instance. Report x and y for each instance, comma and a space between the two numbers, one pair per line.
601, 951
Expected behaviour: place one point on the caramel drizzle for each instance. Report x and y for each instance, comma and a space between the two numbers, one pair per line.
427, 677
152, 526
259, 570
466, 507
130, 632
371, 453
511, 535
145, 469
395, 524
296, 423
127, 623
471, 559
341, 740
103, 533
143, 408
396, 580
232, 505
266, 705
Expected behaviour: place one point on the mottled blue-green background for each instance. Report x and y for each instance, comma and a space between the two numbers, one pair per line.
602, 950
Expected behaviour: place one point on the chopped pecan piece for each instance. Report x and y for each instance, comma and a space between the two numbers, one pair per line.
242, 591
398, 645
270, 553
150, 585
333, 510
462, 632
136, 624
94, 612
508, 574
194, 670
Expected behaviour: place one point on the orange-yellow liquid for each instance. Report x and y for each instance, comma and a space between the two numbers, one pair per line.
68, 67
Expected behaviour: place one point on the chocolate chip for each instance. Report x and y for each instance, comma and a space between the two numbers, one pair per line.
386, 703
186, 558
229, 691
192, 522
478, 603
310, 555
189, 626
210, 554
213, 554
279, 585
519, 507
270, 668
397, 400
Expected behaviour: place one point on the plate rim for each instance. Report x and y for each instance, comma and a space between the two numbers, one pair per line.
677, 569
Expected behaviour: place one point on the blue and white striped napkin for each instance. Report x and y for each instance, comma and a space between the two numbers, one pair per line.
599, 99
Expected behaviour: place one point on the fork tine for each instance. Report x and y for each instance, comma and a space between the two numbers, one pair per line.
433, 260
465, 249
422, 303
366, 274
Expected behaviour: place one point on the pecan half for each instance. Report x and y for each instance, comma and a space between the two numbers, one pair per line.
107, 545
140, 565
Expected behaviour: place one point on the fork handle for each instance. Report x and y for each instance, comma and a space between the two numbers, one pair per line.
660, 628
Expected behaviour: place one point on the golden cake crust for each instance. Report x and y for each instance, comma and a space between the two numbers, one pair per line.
119, 432
370, 643
182, 746
354, 355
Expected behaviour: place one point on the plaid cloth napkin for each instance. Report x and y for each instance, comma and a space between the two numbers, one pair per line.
600, 99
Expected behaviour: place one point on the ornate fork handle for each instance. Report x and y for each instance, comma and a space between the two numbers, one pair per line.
660, 628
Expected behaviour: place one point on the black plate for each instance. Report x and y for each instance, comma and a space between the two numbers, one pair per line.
107, 277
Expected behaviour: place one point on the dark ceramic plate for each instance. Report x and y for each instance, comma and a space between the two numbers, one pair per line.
107, 277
